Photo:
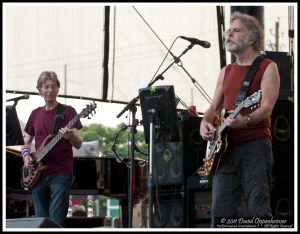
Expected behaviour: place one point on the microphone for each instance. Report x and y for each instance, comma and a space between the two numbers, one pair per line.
204, 44
26, 96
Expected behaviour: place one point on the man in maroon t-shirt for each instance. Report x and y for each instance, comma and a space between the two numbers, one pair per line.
245, 170
50, 194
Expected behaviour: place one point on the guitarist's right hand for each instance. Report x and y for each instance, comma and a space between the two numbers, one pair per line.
207, 130
29, 163
27, 158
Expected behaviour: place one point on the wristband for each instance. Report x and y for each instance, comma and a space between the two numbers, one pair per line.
25, 152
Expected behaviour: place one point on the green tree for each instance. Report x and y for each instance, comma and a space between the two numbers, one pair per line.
106, 136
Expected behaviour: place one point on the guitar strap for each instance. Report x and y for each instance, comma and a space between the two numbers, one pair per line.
248, 79
58, 118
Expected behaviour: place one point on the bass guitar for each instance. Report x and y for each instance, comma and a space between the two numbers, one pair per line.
217, 147
31, 176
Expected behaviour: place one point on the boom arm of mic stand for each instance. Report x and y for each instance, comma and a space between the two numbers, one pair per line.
129, 106
159, 77
15, 103
201, 90
176, 60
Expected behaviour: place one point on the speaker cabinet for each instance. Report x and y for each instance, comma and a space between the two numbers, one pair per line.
169, 211
14, 171
199, 198
173, 162
282, 199
168, 163
201, 209
283, 142
284, 63
31, 223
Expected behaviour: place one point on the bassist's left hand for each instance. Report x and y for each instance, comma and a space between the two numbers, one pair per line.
67, 133
238, 122
72, 135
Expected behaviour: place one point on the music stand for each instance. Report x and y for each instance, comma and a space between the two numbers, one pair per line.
14, 134
160, 99
160, 123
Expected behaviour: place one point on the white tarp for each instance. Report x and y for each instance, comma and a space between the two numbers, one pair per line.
69, 39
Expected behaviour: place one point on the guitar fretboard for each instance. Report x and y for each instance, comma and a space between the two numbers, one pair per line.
54, 140
234, 113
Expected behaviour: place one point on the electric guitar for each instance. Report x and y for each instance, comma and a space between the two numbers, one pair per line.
31, 176
217, 147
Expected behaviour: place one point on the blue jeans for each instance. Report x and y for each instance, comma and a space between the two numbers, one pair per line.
51, 197
242, 184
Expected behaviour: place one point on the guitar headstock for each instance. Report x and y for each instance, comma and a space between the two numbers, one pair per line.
252, 99
88, 110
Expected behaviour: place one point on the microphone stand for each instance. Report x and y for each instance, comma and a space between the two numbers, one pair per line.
194, 81
176, 60
132, 164
15, 103
131, 106
197, 85
151, 113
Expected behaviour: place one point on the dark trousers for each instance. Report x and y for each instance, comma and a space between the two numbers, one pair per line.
51, 197
242, 184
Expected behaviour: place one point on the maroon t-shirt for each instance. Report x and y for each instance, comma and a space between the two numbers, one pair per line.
233, 80
40, 125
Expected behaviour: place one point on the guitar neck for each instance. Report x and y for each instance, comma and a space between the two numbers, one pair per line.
234, 114
54, 140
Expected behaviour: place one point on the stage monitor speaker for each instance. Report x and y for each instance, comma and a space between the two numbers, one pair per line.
31, 223
284, 63
173, 162
169, 211
84, 222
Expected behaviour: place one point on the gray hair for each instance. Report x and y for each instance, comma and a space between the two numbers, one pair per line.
253, 26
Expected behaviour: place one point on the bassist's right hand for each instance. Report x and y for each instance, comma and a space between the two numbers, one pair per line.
29, 162
27, 158
207, 130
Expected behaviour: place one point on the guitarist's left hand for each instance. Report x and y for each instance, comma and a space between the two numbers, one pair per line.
72, 135
66, 133
238, 122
